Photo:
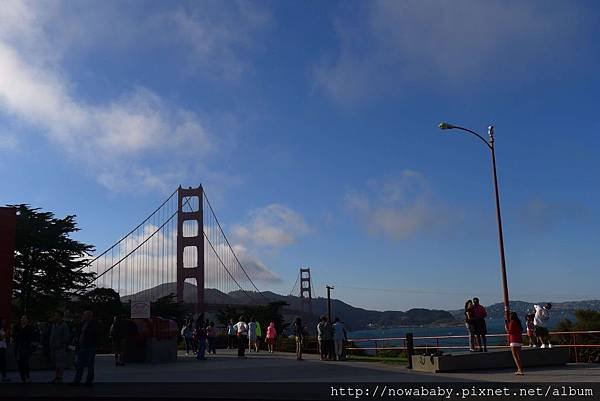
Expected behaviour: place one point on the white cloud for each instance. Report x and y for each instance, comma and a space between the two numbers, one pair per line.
387, 45
135, 137
8, 143
274, 225
399, 207
254, 267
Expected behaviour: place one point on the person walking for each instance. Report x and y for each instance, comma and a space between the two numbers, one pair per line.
24, 337
298, 331
118, 337
470, 324
241, 329
514, 329
211, 337
252, 334
540, 321
271, 337
86, 349
187, 332
3, 347
479, 314
60, 336
231, 335
339, 336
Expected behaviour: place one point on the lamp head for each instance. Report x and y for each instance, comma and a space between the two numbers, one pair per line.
445, 126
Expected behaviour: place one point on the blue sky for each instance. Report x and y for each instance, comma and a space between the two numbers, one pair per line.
312, 126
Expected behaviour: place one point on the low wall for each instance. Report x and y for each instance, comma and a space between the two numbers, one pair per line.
496, 359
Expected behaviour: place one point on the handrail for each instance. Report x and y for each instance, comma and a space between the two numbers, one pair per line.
467, 336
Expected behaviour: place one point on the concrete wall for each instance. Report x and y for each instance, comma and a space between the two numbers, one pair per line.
490, 360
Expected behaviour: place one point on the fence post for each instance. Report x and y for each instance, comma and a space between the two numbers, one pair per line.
409, 349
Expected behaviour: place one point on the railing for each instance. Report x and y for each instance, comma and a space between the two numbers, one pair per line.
428, 343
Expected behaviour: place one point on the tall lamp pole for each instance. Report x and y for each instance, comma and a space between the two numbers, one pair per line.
490, 145
329, 288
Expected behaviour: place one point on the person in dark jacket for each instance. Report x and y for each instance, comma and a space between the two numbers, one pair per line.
86, 349
24, 337
118, 336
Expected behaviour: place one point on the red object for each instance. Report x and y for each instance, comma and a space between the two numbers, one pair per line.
479, 311
514, 332
8, 223
157, 327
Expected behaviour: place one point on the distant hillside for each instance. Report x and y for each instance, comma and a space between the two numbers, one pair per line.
355, 318
559, 309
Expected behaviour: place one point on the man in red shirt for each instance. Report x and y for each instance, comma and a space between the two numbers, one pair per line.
479, 315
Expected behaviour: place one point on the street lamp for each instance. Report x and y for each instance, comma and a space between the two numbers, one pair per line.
490, 145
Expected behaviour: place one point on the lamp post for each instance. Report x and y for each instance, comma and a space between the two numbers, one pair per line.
490, 146
329, 288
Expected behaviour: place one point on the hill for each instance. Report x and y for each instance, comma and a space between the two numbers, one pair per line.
355, 318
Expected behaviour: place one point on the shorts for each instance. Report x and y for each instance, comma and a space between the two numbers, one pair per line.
540, 331
59, 357
480, 327
515, 345
271, 341
470, 328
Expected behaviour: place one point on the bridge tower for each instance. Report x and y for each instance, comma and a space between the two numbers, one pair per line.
305, 291
194, 241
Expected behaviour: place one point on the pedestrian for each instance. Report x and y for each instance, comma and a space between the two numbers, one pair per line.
339, 336
258, 335
298, 331
118, 336
24, 336
201, 341
252, 334
479, 314
211, 337
241, 329
514, 329
86, 349
3, 347
231, 335
60, 335
321, 337
470, 324
531, 329
540, 321
271, 337
187, 332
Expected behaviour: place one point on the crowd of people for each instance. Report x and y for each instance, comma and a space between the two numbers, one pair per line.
536, 329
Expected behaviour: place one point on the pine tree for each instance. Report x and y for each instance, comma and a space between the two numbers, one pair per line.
48, 262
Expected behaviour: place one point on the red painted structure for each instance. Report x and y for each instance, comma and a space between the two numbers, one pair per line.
8, 222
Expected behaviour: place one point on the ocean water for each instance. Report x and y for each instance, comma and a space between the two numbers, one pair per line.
494, 326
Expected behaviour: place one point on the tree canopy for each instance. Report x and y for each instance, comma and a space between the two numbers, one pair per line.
48, 262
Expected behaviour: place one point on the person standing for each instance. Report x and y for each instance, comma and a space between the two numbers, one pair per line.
531, 329
211, 337
252, 334
24, 337
540, 321
201, 341
271, 337
339, 336
241, 329
187, 332
231, 335
514, 329
118, 336
60, 336
86, 349
298, 331
479, 314
258, 335
3, 347
323, 337
470, 324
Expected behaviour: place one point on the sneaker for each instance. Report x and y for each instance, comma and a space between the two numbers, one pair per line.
549, 345
543, 346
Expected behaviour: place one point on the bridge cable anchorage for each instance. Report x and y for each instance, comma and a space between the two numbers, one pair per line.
230, 247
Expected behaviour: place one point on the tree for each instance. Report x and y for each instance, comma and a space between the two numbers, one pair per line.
263, 314
167, 307
48, 262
